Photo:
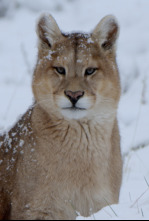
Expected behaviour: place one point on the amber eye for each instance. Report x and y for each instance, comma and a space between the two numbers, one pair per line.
90, 71
60, 70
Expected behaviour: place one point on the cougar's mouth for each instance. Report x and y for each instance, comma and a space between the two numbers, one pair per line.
74, 109
75, 113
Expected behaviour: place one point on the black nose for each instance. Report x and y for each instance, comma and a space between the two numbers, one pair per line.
74, 96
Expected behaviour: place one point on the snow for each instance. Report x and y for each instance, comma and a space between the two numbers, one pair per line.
21, 143
18, 53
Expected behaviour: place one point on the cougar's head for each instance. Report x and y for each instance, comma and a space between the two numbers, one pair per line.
76, 76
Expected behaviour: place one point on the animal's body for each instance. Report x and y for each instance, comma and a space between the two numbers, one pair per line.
63, 156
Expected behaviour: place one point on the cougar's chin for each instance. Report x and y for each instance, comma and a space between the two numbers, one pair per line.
74, 113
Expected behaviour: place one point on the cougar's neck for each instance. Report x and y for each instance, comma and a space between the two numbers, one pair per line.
83, 131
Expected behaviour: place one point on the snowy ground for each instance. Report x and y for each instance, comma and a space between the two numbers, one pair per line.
18, 54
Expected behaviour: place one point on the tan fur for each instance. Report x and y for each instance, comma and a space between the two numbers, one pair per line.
53, 166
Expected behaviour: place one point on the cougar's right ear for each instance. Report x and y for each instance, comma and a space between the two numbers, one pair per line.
48, 30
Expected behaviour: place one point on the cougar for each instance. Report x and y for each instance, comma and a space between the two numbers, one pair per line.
63, 157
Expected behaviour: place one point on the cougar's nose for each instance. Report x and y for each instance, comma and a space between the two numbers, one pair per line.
74, 96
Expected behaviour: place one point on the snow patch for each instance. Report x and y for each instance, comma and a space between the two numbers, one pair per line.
21, 143
21, 152
79, 61
90, 41
49, 56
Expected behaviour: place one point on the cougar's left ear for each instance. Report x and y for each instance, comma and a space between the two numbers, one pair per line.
107, 32
48, 30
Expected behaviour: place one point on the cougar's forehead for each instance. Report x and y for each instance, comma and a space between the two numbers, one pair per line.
78, 47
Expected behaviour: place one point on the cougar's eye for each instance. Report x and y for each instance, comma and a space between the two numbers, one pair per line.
60, 70
90, 71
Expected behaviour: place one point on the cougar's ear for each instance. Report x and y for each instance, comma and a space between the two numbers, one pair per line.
48, 30
107, 32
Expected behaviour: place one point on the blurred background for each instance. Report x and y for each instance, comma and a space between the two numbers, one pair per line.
18, 54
